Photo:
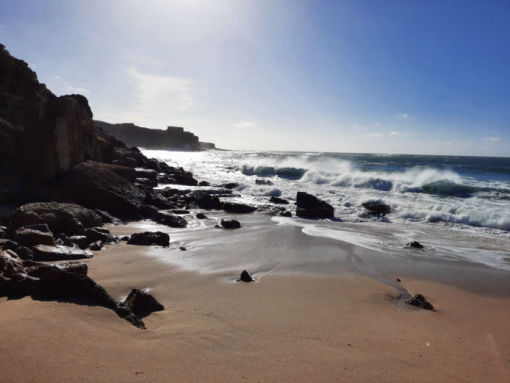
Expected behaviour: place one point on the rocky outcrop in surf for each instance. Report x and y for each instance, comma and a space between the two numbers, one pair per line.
173, 138
310, 206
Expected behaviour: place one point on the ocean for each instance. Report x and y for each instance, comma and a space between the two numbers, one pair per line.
460, 206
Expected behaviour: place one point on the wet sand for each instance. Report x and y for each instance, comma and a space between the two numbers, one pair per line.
285, 327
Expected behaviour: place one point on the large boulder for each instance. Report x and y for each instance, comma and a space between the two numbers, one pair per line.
204, 200
148, 238
230, 224
170, 219
310, 206
65, 218
27, 236
59, 253
238, 208
99, 186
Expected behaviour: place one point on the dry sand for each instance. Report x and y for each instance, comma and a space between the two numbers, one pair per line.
282, 328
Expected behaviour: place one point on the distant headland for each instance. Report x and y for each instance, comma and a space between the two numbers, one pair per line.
173, 138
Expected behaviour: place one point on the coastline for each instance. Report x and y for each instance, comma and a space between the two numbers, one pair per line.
286, 326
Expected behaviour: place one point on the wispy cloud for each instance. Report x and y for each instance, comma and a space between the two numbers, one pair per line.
394, 133
492, 139
155, 93
374, 135
246, 125
402, 116
75, 90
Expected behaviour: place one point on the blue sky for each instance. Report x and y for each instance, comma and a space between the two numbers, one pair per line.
349, 76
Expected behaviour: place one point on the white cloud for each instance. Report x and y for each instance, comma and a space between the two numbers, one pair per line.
492, 139
403, 116
373, 135
157, 93
246, 125
75, 90
394, 133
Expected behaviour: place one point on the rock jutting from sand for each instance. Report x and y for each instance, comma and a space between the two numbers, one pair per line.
230, 224
414, 245
419, 300
67, 282
245, 277
310, 206
237, 208
278, 200
148, 238
142, 303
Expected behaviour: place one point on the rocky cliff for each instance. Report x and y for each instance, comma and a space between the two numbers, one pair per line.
41, 135
171, 138
50, 150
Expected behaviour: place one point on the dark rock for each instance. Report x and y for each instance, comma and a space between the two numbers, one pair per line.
201, 216
245, 277
378, 208
285, 213
11, 266
145, 183
60, 217
157, 199
98, 234
3, 231
230, 224
97, 186
42, 227
58, 284
204, 200
124, 238
59, 253
170, 192
170, 220
414, 245
237, 208
24, 252
182, 177
142, 303
147, 173
79, 240
231, 185
419, 300
310, 206
150, 238
263, 182
182, 248
148, 211
278, 200
73, 267
8, 244
106, 217
96, 246
29, 237
204, 183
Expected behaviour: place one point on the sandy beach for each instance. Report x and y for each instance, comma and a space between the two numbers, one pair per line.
284, 327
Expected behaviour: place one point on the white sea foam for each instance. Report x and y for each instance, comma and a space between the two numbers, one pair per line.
415, 192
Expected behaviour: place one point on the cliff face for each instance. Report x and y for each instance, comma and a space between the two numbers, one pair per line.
41, 135
171, 138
